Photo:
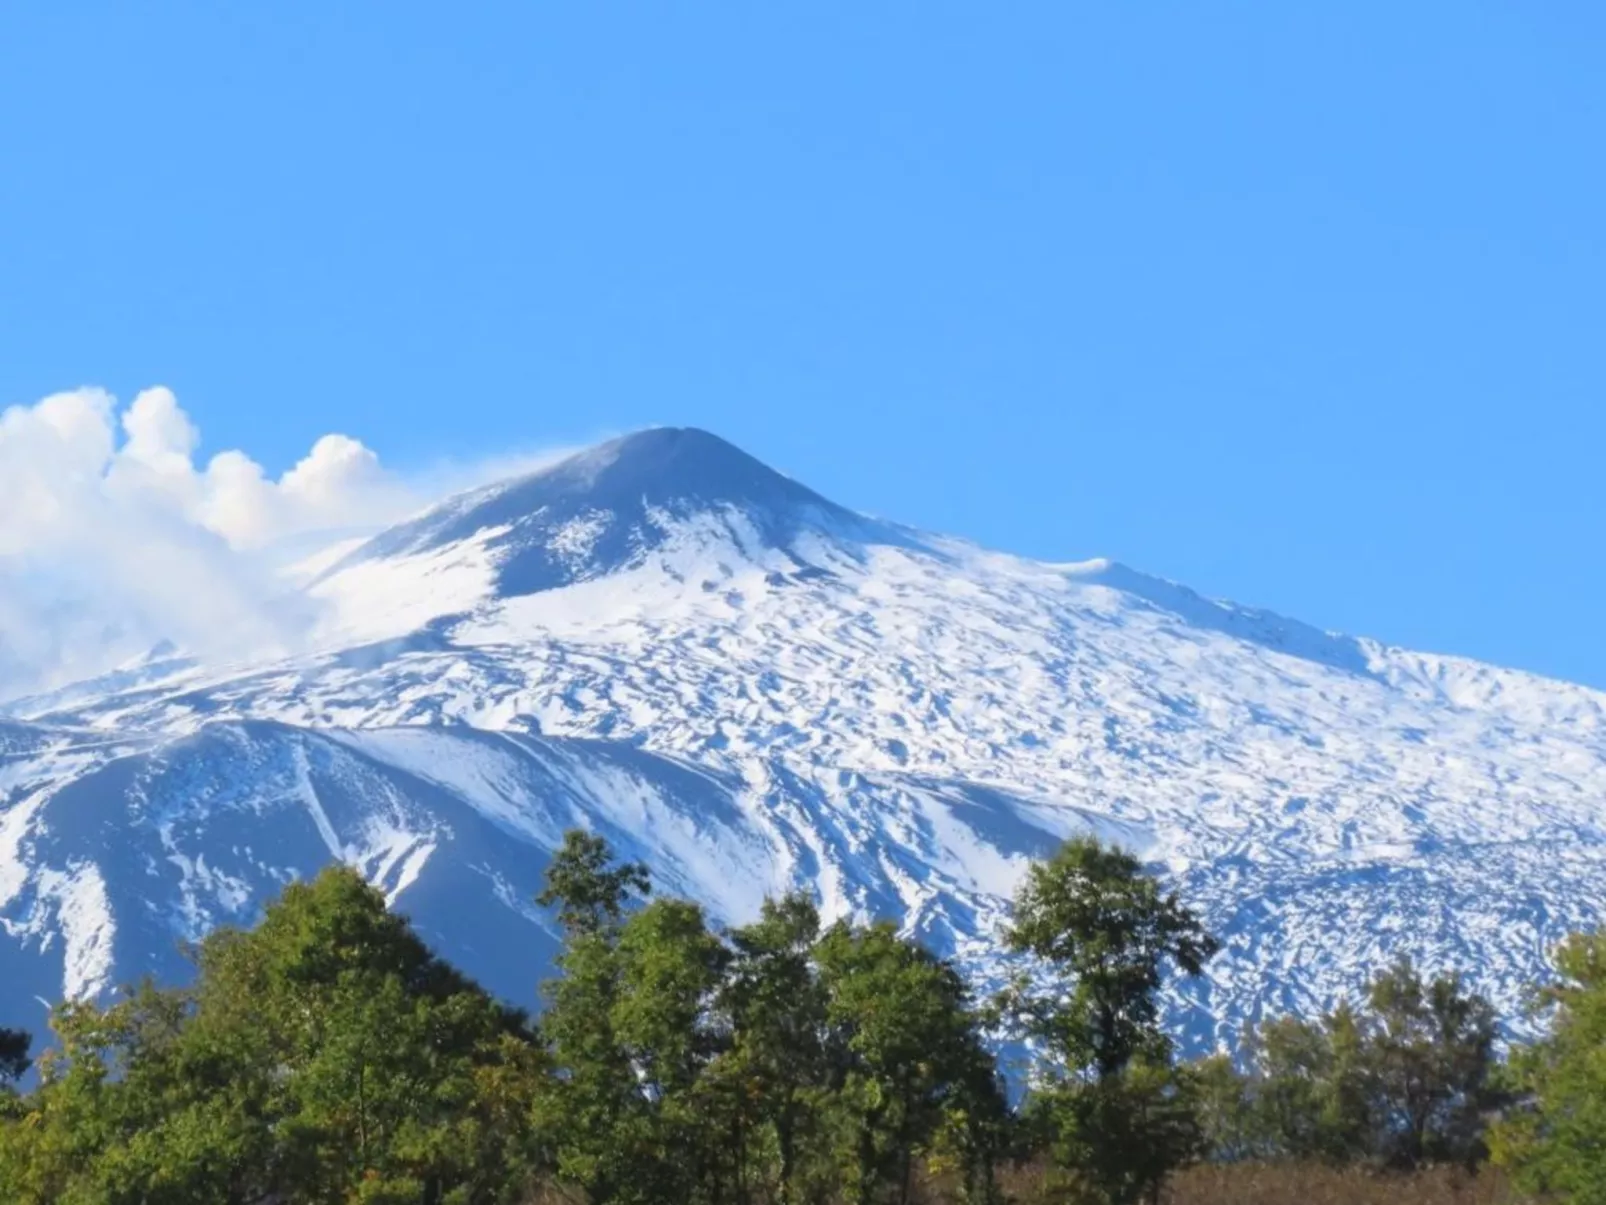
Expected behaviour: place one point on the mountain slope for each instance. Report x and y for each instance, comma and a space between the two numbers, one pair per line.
752, 687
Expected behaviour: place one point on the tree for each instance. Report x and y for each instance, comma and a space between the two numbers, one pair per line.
1104, 934
1405, 1080
591, 1113
629, 1027
1310, 1088
54, 1152
14, 1061
377, 1054
1116, 1138
1429, 1061
14, 1064
671, 966
325, 1056
907, 1054
1555, 1145
1224, 1110
771, 1082
589, 892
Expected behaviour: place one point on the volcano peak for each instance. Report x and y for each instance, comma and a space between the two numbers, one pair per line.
624, 497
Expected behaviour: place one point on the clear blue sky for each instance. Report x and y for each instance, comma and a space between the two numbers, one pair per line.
1301, 304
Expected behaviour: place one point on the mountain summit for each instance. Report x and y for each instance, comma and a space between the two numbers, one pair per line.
754, 689
607, 507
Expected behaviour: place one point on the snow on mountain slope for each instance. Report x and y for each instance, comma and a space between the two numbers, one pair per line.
752, 687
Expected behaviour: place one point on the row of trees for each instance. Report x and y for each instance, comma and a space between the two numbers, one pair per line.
1406, 1079
328, 1056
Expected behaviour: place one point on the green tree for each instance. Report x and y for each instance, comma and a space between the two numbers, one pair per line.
1407, 1079
978, 1131
671, 966
1555, 1144
907, 1053
1430, 1061
14, 1061
591, 1113
325, 1056
375, 1052
630, 1025
1112, 1109
1224, 1110
770, 1083
1310, 1088
84, 1106
14, 1064
1115, 1138
589, 892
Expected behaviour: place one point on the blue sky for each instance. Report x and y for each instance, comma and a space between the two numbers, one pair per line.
1298, 304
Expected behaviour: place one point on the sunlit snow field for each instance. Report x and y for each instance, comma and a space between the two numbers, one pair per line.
753, 689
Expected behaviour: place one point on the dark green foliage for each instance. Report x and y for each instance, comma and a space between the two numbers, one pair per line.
1556, 1144
1308, 1095
1429, 1054
324, 1056
594, 1119
906, 1056
772, 1083
1116, 1138
629, 1036
778, 1065
328, 1057
14, 1061
588, 891
1406, 1081
1109, 1107
1105, 934
14, 1064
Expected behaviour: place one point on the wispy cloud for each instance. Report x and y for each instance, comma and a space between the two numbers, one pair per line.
113, 537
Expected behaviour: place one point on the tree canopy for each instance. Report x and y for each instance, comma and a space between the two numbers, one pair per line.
1556, 1143
1107, 1103
327, 1056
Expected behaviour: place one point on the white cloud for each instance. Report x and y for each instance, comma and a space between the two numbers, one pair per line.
113, 538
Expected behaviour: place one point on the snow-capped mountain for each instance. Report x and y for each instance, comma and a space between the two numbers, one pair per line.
751, 687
